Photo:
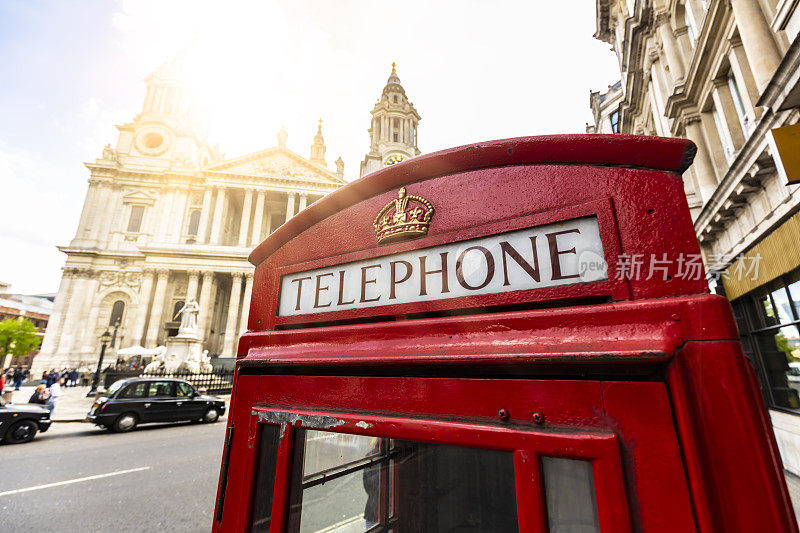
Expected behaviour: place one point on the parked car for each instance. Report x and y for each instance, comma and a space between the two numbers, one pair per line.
130, 402
20, 422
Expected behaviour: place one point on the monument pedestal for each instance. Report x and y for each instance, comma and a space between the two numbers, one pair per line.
183, 350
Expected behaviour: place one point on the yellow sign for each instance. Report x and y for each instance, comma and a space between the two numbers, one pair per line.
786, 141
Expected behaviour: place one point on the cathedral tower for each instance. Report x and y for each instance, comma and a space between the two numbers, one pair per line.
318, 148
171, 130
393, 131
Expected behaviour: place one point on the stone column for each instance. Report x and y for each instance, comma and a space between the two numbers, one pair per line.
89, 342
245, 223
82, 312
216, 225
72, 313
165, 215
191, 288
258, 218
206, 302
290, 206
248, 292
137, 331
110, 208
757, 39
89, 211
723, 101
228, 346
205, 216
54, 330
157, 314
303, 202
269, 223
706, 179
102, 192
674, 59
655, 109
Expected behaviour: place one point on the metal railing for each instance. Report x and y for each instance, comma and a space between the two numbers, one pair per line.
214, 382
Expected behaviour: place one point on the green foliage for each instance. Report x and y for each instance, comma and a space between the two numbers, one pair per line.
783, 345
18, 337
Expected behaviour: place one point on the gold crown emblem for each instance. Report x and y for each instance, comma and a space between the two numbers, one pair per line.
406, 217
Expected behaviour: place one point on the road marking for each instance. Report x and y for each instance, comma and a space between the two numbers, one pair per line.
71, 481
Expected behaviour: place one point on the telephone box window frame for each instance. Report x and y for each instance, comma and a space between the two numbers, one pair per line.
528, 445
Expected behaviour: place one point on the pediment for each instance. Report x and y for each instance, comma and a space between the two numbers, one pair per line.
138, 196
279, 163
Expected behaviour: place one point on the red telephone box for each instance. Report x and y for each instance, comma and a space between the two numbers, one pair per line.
515, 335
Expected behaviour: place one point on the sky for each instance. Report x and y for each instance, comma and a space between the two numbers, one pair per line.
70, 70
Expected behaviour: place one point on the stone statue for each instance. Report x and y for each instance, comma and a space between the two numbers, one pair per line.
159, 361
188, 314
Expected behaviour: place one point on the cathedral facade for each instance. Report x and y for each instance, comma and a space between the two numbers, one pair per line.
166, 219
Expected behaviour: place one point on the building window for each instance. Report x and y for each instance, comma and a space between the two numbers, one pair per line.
614, 121
394, 98
176, 309
116, 313
738, 104
135, 220
769, 324
194, 222
727, 146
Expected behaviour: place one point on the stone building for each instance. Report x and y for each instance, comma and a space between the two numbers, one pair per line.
166, 218
393, 130
725, 74
13, 306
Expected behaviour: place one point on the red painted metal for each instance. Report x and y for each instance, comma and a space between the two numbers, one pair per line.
645, 373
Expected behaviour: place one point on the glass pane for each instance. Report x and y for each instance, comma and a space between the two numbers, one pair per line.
782, 308
160, 389
769, 317
780, 353
134, 391
569, 491
135, 222
382, 485
325, 450
265, 478
794, 290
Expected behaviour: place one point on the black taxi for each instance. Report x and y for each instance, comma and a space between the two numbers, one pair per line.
129, 402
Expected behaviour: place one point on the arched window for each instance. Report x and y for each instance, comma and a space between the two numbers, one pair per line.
175, 310
116, 313
194, 222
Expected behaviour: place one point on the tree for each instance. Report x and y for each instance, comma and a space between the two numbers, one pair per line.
17, 337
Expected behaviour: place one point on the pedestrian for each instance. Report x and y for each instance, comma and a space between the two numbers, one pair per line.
55, 394
40, 395
44, 377
86, 377
9, 374
19, 376
73, 377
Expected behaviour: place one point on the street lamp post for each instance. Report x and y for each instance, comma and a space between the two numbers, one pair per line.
105, 339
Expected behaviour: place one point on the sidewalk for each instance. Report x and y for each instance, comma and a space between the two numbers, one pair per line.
72, 406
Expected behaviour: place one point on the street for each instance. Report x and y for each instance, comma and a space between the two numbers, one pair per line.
157, 477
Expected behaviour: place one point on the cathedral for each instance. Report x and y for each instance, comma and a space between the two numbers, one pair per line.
166, 218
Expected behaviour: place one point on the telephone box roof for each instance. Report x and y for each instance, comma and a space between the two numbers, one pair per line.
631, 151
